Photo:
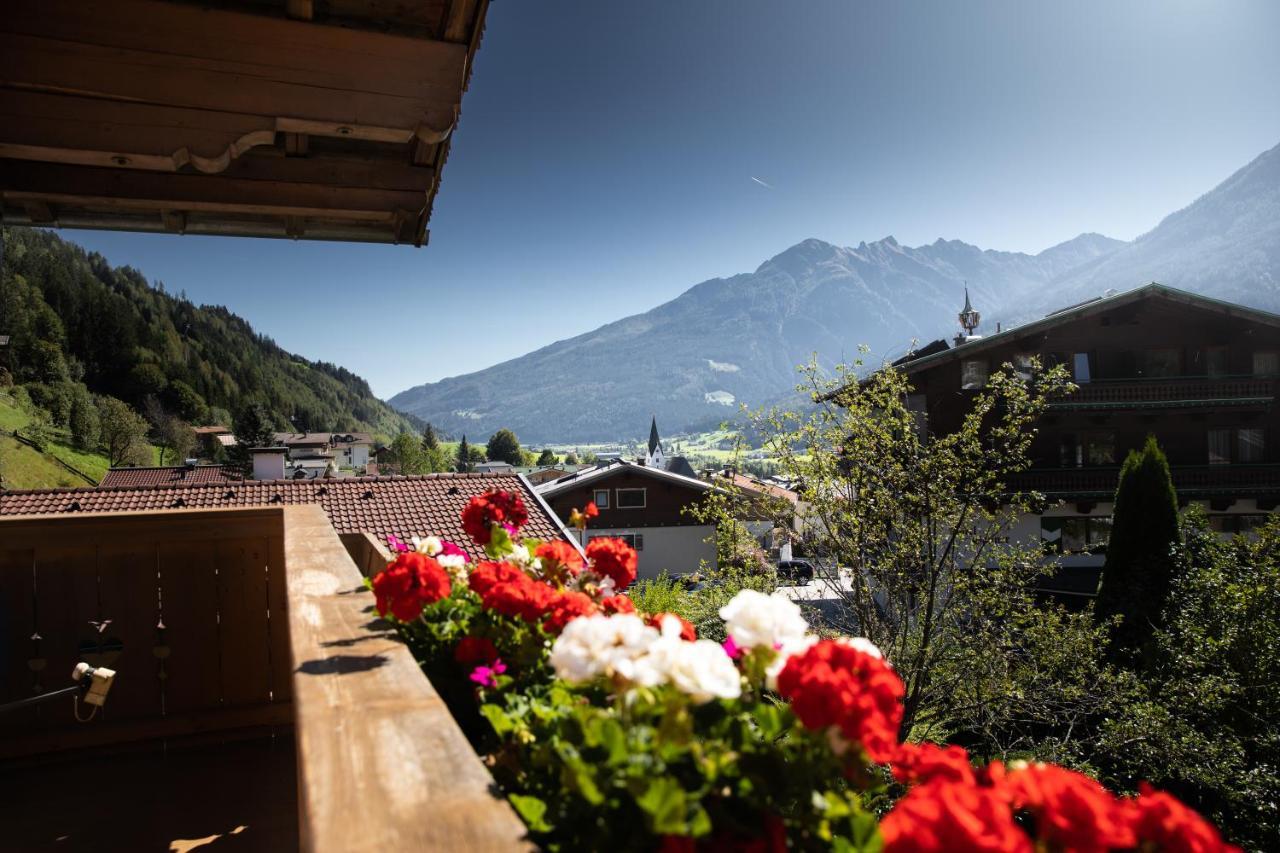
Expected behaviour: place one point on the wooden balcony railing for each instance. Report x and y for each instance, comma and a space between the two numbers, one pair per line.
1170, 392
228, 621
1189, 480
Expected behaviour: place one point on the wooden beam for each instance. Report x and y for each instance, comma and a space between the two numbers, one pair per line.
459, 21
370, 727
299, 9
295, 144
175, 221
159, 191
38, 210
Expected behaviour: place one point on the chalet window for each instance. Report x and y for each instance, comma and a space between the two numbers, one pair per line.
1215, 361
1162, 362
1101, 448
1266, 363
635, 540
1075, 534
973, 373
1081, 369
1250, 445
1220, 446
1070, 451
631, 499
601, 498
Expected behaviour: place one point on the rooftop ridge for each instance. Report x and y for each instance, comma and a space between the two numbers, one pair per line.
380, 478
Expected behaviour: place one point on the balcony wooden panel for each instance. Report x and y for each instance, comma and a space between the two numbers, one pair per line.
1169, 393
1189, 480
268, 629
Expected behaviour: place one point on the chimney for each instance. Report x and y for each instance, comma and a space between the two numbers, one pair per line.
268, 463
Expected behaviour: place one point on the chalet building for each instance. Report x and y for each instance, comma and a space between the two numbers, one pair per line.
1198, 374
644, 505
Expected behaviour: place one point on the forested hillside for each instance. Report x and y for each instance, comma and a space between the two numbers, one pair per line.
78, 324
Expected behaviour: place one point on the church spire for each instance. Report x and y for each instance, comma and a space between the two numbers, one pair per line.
968, 317
654, 441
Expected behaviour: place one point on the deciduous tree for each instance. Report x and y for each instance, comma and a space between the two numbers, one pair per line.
504, 447
123, 433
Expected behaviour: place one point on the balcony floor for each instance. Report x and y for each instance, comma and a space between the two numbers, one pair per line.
238, 795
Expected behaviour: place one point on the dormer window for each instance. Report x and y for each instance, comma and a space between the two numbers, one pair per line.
973, 373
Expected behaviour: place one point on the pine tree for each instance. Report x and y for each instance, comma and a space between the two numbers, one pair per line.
464, 456
1141, 557
430, 441
253, 427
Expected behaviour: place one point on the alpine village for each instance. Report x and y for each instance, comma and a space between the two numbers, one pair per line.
877, 548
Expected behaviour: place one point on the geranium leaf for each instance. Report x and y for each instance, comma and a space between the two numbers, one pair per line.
532, 811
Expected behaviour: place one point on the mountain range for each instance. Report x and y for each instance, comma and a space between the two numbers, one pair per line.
693, 360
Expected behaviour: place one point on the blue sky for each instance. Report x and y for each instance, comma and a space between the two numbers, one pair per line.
606, 154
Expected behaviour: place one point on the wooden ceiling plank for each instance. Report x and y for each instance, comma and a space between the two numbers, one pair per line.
251, 45
109, 203
87, 70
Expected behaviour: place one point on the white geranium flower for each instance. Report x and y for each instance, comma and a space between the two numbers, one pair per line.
790, 647
430, 546
592, 646
754, 619
863, 645
520, 555
701, 670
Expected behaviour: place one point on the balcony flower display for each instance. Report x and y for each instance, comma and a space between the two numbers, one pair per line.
608, 728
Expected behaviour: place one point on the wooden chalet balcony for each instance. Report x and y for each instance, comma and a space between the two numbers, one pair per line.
1173, 392
259, 700
1189, 480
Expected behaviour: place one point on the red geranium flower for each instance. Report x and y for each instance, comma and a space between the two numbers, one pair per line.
617, 604
687, 631
1162, 820
1070, 810
505, 589
409, 583
493, 507
472, 650
919, 763
835, 684
613, 558
948, 817
560, 553
565, 607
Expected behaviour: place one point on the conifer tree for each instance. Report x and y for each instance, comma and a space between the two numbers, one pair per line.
464, 456
430, 440
1141, 557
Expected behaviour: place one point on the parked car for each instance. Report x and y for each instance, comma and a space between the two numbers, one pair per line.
799, 571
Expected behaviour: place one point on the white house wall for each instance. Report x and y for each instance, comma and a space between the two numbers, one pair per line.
675, 550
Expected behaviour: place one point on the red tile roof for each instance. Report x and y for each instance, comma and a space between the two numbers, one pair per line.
180, 474
400, 506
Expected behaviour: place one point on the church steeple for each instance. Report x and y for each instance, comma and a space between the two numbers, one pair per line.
969, 318
655, 457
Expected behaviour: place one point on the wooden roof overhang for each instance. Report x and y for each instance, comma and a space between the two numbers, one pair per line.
279, 118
